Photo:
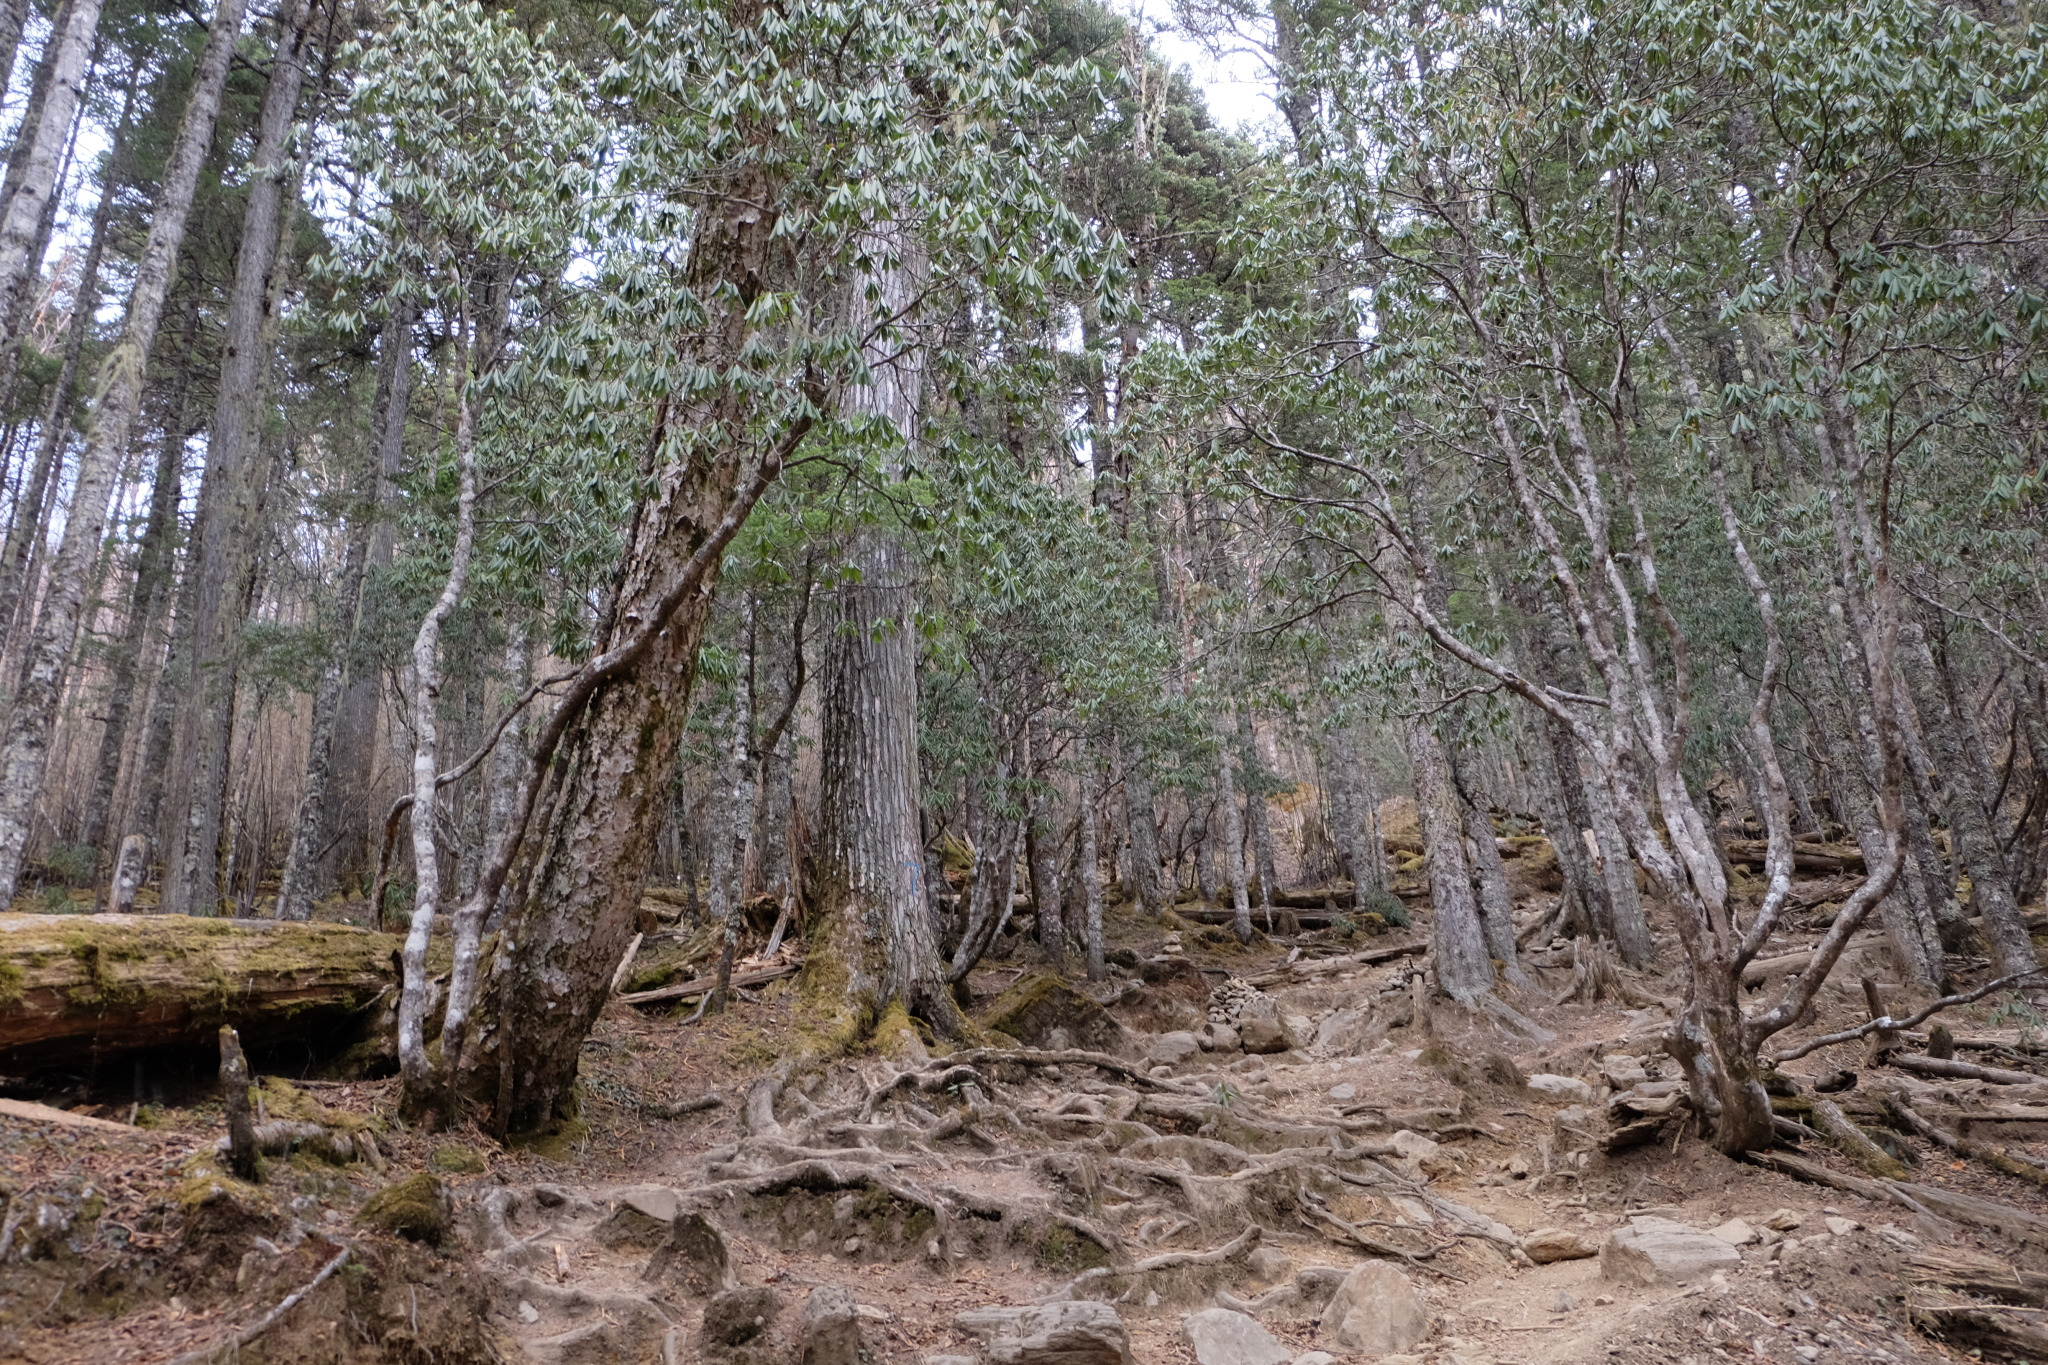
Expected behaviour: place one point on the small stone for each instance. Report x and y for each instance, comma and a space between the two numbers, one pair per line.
1317, 1358
1220, 1336
1808, 1354
1842, 1227
1735, 1233
1223, 1037
1784, 1220
1563, 1303
850, 1245
1546, 1245
1602, 1301
527, 1312
1518, 1166
1270, 1265
1347, 1091
1376, 1311
1564, 1089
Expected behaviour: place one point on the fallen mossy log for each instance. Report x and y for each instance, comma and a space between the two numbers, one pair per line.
80, 988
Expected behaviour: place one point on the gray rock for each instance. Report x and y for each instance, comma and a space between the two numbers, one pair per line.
1072, 1333
1376, 1311
1222, 1038
737, 1316
1346, 1091
1222, 1337
1564, 1089
830, 1331
1655, 1251
1622, 1070
1315, 1358
694, 1256
1173, 1049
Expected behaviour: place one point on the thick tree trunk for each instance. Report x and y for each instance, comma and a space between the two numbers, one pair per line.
43, 141
1141, 813
24, 752
1490, 881
234, 489
1464, 969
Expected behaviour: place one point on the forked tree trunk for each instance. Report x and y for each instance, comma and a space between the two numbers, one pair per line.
234, 488
24, 752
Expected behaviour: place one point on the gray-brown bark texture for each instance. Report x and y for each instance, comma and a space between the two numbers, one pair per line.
71, 44
233, 489
24, 752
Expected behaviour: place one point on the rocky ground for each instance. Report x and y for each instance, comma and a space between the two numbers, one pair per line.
1280, 1154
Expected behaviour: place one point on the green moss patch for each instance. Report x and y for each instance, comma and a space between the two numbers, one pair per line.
415, 1208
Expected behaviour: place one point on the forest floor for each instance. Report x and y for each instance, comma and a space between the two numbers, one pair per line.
1039, 1171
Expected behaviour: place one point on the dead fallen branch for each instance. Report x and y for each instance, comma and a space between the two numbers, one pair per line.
1994, 1157
264, 1323
1964, 1071
702, 985
1926, 1199
1304, 971
1240, 1245
1884, 1024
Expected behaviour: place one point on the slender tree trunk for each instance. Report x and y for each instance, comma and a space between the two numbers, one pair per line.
1233, 846
235, 486
350, 802
1969, 821
1258, 818
503, 768
24, 752
1041, 848
43, 141
152, 565
1090, 872
729, 843
421, 1091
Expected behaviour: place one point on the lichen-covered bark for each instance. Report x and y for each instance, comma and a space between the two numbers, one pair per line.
24, 752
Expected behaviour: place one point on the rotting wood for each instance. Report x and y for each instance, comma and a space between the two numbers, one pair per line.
2021, 1332
1964, 1071
702, 985
1981, 1276
78, 988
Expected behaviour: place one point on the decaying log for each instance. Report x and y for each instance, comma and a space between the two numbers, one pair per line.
1981, 1276
78, 988
2018, 1332
1349, 962
1854, 1143
1805, 857
1963, 1071
703, 984
1930, 1199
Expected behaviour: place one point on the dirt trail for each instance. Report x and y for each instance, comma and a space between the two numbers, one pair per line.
1124, 1150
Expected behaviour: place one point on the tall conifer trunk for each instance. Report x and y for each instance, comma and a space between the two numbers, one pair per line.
24, 751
